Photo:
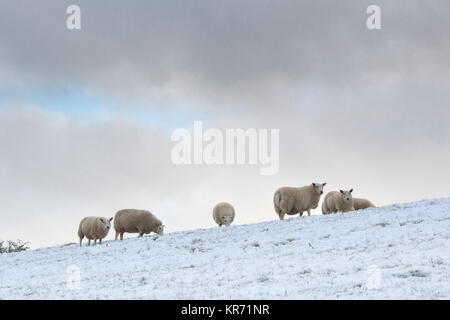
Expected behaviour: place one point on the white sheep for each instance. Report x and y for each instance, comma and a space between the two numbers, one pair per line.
291, 200
223, 214
136, 221
359, 204
335, 201
94, 228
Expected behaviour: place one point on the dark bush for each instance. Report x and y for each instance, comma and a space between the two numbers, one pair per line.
13, 246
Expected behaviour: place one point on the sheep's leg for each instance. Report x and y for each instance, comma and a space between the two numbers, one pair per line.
301, 214
81, 240
141, 234
117, 235
309, 212
89, 242
121, 236
100, 241
95, 242
281, 216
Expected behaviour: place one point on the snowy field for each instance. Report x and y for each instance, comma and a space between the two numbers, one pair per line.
394, 252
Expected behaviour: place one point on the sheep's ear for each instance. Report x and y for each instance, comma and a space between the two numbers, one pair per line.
351, 190
341, 191
323, 184
111, 219
314, 184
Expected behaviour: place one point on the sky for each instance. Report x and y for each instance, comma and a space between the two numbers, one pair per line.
86, 116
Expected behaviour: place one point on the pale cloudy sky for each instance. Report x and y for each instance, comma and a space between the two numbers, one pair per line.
86, 116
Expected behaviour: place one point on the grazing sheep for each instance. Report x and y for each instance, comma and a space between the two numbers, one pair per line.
338, 201
94, 228
136, 221
223, 214
290, 200
359, 204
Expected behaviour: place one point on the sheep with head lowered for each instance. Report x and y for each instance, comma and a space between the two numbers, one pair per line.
360, 204
223, 214
94, 228
136, 221
291, 200
338, 201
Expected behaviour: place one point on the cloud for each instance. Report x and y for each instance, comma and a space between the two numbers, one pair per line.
233, 51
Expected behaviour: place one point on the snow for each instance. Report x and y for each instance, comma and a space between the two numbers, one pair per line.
392, 252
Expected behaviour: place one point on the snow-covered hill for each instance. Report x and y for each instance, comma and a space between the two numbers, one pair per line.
400, 251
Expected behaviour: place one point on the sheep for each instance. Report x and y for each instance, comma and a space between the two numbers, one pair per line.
359, 204
335, 201
223, 214
291, 200
136, 221
94, 228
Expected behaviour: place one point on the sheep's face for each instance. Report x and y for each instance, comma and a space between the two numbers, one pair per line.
347, 195
226, 220
318, 187
160, 230
106, 223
